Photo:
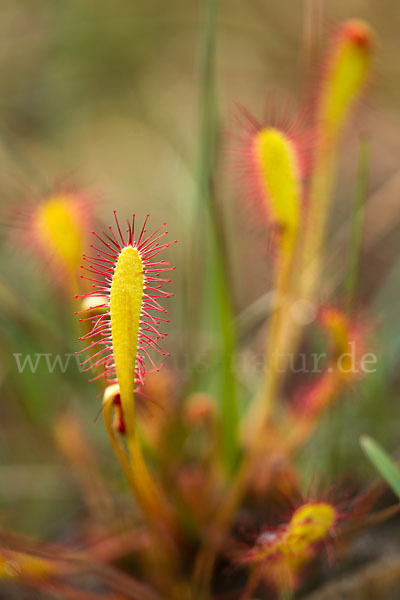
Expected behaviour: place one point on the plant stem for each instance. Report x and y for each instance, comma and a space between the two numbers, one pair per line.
137, 474
164, 555
264, 402
252, 582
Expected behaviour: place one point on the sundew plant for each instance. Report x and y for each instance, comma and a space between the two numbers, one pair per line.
210, 427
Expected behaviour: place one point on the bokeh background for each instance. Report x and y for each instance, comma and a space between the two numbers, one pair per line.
106, 96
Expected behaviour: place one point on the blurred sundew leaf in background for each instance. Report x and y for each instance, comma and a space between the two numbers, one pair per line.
277, 159
279, 173
348, 70
343, 83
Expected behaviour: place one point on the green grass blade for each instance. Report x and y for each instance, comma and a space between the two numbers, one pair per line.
216, 310
382, 462
222, 321
357, 221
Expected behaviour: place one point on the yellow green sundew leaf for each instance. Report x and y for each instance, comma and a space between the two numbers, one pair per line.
310, 523
58, 224
346, 77
278, 170
279, 176
126, 296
